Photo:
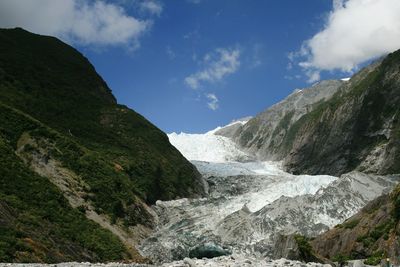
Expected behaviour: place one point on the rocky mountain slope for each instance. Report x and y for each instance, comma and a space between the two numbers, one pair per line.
356, 128
78, 170
373, 233
352, 125
264, 134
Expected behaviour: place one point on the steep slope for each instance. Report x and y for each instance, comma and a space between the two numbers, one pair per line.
55, 84
37, 224
65, 134
333, 127
358, 128
263, 135
373, 233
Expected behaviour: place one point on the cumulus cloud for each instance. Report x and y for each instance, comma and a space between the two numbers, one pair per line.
75, 21
212, 101
218, 64
356, 31
151, 6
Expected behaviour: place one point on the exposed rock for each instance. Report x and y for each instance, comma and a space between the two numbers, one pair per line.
333, 127
263, 135
358, 128
372, 232
75, 190
286, 247
224, 261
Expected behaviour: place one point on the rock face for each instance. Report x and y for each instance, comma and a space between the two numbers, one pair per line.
78, 170
286, 247
333, 127
358, 128
372, 233
263, 135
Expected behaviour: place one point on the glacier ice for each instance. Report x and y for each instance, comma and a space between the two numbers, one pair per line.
250, 202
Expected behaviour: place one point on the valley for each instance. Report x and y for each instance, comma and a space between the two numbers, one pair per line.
311, 180
252, 203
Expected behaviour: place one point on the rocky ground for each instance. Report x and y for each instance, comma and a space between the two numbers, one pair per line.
231, 261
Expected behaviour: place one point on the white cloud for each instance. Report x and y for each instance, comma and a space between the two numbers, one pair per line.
313, 76
213, 101
356, 31
217, 65
75, 21
151, 6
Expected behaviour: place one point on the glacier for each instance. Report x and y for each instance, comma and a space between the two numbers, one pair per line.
250, 203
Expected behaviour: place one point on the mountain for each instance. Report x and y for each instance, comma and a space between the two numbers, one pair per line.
264, 135
78, 170
357, 129
352, 132
351, 125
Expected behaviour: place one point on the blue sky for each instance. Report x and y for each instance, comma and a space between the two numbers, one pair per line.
151, 80
192, 65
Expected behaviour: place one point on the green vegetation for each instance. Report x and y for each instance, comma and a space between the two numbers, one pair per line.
306, 251
341, 259
380, 231
395, 197
283, 124
375, 258
51, 96
351, 224
41, 225
372, 100
56, 85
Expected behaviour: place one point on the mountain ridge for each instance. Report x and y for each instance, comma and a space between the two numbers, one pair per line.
103, 162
